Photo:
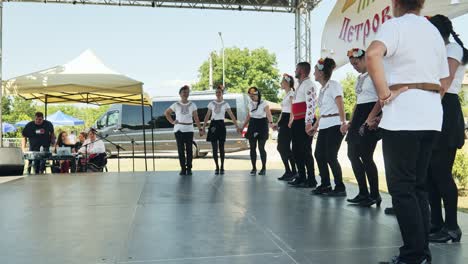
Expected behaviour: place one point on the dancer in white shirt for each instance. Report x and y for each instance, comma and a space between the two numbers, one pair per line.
217, 110
409, 87
185, 112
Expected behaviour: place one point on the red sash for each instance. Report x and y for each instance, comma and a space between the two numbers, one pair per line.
299, 110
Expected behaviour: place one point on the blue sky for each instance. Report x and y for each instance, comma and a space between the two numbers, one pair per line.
161, 47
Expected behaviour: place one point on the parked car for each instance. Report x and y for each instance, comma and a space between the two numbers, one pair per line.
122, 123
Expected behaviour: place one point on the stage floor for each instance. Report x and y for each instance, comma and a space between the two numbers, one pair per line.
200, 219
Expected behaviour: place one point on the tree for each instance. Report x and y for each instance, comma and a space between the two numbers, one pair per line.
348, 84
244, 68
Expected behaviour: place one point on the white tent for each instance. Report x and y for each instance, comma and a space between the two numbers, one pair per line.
83, 80
353, 23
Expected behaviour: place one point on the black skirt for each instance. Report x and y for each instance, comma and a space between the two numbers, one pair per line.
216, 131
453, 125
360, 115
258, 128
284, 132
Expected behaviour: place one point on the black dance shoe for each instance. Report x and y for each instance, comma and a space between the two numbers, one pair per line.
253, 172
286, 176
189, 172
183, 173
445, 235
296, 181
337, 192
396, 260
322, 189
359, 198
306, 184
216, 172
221, 171
262, 172
434, 229
389, 211
371, 201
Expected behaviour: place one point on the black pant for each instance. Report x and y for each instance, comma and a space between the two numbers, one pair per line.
284, 145
184, 146
215, 144
326, 153
407, 155
39, 165
302, 151
361, 156
441, 186
253, 152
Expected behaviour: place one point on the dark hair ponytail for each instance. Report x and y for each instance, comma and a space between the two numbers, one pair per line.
290, 80
326, 66
445, 27
259, 96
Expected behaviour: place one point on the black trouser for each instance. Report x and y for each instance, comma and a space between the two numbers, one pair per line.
39, 165
214, 145
442, 186
184, 146
253, 151
361, 156
326, 153
302, 151
407, 155
284, 144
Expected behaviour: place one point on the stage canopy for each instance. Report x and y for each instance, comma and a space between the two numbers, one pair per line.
85, 79
353, 23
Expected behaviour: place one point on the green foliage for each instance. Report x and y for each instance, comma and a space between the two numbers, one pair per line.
460, 169
348, 84
244, 68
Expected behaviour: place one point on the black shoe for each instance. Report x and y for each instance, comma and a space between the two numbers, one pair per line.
189, 172
296, 181
396, 260
389, 211
371, 201
285, 177
221, 171
306, 184
445, 235
183, 173
262, 172
435, 229
217, 172
322, 189
253, 172
337, 192
359, 198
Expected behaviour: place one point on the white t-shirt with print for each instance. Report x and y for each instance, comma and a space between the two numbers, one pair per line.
184, 114
415, 54
260, 112
327, 104
218, 109
365, 89
455, 52
287, 101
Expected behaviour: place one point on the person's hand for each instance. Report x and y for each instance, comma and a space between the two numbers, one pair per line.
202, 132
175, 122
311, 129
344, 128
393, 94
290, 123
274, 127
239, 130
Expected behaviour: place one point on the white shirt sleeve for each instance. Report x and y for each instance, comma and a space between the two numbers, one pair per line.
388, 35
444, 67
194, 107
455, 52
173, 107
336, 90
226, 104
99, 147
210, 106
311, 101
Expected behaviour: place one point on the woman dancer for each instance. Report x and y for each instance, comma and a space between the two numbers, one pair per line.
185, 113
362, 137
258, 118
408, 86
331, 124
217, 131
440, 179
284, 130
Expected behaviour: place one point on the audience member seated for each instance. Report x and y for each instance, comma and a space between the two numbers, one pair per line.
94, 153
63, 166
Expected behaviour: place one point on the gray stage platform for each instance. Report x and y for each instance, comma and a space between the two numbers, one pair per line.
165, 218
